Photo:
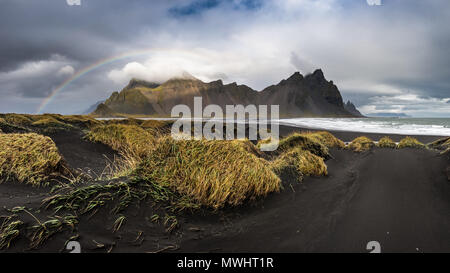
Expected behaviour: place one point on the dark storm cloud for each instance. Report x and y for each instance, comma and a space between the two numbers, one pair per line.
36, 30
397, 53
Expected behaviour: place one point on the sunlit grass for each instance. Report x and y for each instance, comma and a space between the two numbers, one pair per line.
387, 142
304, 162
410, 142
29, 158
305, 141
212, 173
326, 138
361, 144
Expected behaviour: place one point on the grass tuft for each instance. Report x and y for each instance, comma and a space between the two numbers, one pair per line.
440, 144
118, 223
18, 119
387, 142
29, 158
49, 124
306, 141
211, 173
122, 137
81, 121
131, 141
304, 162
41, 232
410, 142
156, 125
9, 230
361, 144
326, 138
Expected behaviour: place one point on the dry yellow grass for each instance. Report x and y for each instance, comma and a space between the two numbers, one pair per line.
361, 144
307, 142
18, 119
248, 146
386, 142
446, 152
154, 124
212, 173
80, 120
48, 123
304, 162
410, 142
2, 122
28, 158
440, 144
326, 138
133, 142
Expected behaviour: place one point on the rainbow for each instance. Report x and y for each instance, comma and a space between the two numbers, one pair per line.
45, 102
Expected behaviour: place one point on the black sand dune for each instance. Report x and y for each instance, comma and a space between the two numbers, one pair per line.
81, 154
400, 198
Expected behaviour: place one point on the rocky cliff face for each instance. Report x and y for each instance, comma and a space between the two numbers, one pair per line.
349, 106
311, 95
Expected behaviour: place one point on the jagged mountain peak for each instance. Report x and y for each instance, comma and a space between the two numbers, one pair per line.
140, 83
297, 96
297, 77
317, 76
185, 76
350, 107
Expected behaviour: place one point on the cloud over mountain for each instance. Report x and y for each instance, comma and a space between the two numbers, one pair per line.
390, 50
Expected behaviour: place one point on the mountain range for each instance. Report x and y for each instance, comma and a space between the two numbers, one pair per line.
297, 96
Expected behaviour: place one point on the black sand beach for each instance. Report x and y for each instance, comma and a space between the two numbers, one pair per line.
348, 136
400, 198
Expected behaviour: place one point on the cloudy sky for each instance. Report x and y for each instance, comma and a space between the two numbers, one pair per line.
393, 57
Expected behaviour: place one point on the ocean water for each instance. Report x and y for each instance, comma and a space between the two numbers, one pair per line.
401, 126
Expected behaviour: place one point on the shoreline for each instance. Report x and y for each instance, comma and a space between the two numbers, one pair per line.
344, 135
348, 136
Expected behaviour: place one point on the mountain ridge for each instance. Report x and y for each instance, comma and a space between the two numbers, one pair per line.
298, 96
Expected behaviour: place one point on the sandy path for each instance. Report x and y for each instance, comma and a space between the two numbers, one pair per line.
400, 198
403, 202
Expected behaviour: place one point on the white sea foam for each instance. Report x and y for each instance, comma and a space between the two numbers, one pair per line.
401, 126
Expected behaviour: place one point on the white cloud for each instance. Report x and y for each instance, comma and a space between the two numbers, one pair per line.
366, 51
374, 2
36, 78
66, 70
408, 103
205, 64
